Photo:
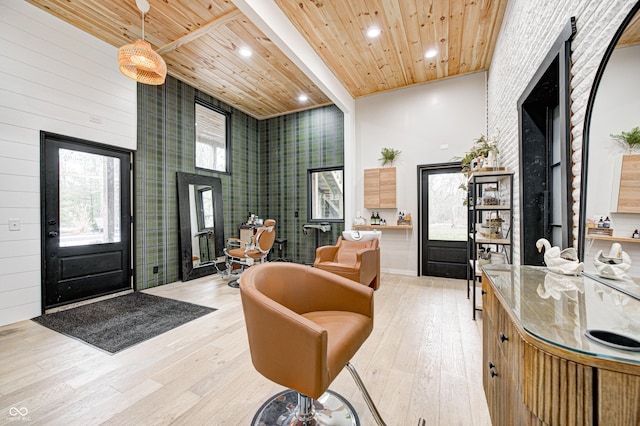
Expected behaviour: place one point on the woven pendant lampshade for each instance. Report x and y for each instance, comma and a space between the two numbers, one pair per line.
139, 61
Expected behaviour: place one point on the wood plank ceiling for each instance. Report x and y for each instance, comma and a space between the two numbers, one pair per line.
200, 41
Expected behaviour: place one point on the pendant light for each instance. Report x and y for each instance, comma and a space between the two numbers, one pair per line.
139, 61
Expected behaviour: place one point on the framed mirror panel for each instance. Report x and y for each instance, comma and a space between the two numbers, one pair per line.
201, 222
606, 231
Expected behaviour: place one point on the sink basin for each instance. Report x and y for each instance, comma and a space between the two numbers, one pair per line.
613, 340
357, 235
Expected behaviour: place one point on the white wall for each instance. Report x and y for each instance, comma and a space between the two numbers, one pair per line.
56, 78
616, 109
417, 121
528, 31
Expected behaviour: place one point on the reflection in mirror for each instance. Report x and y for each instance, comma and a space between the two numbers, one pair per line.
201, 224
202, 231
610, 211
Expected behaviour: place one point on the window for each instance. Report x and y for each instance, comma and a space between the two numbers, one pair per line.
212, 138
325, 202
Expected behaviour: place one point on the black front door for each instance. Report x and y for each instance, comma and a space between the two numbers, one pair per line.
443, 221
86, 219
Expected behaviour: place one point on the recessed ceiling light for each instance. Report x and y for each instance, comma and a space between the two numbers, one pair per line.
303, 98
431, 53
245, 51
373, 32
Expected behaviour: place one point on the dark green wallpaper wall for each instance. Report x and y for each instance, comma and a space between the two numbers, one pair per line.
290, 145
269, 166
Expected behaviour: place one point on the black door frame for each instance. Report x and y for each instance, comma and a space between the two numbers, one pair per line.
549, 88
44, 135
422, 221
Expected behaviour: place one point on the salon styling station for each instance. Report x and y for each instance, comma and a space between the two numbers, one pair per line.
559, 349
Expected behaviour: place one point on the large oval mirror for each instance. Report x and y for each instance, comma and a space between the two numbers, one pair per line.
610, 210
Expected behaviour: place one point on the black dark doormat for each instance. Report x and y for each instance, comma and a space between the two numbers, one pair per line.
120, 322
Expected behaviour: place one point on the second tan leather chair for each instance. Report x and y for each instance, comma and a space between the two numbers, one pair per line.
357, 260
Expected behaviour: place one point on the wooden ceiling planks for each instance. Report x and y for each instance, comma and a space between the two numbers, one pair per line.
199, 40
458, 28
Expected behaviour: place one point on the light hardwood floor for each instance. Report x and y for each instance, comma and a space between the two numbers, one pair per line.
423, 359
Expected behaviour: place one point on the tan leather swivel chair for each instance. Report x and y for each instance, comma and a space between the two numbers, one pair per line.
243, 254
304, 325
357, 260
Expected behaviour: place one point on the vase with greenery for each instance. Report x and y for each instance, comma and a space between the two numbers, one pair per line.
629, 140
389, 155
480, 149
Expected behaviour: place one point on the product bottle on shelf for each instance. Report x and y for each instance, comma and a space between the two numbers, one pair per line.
636, 234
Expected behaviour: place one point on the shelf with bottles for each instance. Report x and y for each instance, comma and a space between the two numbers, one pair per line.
490, 213
402, 221
382, 227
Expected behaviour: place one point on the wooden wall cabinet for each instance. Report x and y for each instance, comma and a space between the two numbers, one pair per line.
629, 193
380, 188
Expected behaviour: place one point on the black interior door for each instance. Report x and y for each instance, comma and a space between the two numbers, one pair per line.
443, 225
86, 220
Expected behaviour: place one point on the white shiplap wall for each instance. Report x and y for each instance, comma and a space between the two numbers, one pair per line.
528, 31
56, 78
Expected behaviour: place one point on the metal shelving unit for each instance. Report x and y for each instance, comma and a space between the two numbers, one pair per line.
490, 212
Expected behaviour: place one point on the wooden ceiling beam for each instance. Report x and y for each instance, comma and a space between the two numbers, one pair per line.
205, 29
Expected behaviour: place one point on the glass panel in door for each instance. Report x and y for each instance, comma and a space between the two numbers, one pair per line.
447, 214
89, 198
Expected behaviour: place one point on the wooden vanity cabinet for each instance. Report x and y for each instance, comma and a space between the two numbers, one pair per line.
616, 390
502, 350
380, 188
528, 381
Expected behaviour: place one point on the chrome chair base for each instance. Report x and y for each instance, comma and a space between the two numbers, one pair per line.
234, 283
282, 410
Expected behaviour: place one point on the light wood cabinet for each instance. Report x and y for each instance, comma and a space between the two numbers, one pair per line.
529, 381
629, 193
380, 188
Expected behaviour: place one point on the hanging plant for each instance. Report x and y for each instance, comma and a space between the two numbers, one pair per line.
389, 155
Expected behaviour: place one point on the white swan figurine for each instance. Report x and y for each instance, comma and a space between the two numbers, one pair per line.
564, 262
614, 265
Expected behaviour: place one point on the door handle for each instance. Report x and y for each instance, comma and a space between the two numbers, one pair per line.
52, 234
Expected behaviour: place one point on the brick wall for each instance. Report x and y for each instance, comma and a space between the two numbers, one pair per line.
528, 31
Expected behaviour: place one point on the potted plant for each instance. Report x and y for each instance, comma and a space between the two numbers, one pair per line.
482, 149
389, 155
629, 140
